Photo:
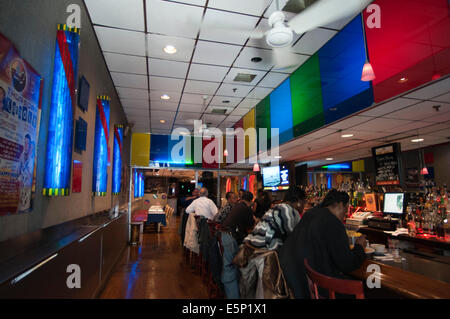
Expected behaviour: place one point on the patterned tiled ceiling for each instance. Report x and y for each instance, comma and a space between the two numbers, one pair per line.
199, 77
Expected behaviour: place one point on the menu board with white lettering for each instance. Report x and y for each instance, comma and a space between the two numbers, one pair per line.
387, 164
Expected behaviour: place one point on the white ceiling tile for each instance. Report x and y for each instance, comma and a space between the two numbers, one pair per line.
125, 63
127, 14
201, 87
170, 18
249, 103
253, 7
412, 126
214, 119
442, 98
213, 73
121, 41
215, 53
128, 93
313, 41
173, 69
233, 118
130, 80
157, 42
156, 125
296, 61
221, 26
244, 59
235, 71
380, 125
234, 90
196, 99
339, 24
196, 108
164, 106
259, 93
169, 84
420, 111
193, 2
350, 122
438, 118
188, 116
273, 79
432, 90
219, 101
134, 103
155, 95
239, 112
162, 115
388, 107
136, 112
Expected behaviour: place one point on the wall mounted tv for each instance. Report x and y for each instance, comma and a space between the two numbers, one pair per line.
83, 94
275, 178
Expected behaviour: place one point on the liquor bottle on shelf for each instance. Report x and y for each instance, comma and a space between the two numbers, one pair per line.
410, 221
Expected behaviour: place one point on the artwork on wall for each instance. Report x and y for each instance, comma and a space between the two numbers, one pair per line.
101, 149
117, 159
83, 94
77, 176
20, 109
80, 134
60, 126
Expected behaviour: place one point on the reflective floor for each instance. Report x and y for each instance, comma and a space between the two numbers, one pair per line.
155, 269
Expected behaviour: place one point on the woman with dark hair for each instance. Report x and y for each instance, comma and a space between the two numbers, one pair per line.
321, 238
262, 204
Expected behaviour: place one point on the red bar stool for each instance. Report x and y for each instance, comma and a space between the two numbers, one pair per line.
334, 285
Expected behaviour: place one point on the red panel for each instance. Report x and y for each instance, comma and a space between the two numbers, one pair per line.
413, 43
77, 175
215, 163
429, 158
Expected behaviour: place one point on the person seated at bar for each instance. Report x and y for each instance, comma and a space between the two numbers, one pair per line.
262, 203
232, 199
203, 206
278, 222
321, 238
234, 229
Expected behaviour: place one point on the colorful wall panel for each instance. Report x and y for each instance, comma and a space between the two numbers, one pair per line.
101, 148
60, 127
117, 159
159, 148
281, 111
413, 43
250, 141
262, 118
341, 61
212, 147
140, 149
306, 95
238, 142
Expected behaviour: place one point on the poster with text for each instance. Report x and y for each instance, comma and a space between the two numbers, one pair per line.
20, 90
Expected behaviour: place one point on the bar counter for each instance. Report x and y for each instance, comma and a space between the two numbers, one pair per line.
414, 277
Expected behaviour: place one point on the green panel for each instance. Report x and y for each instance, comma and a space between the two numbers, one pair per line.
262, 118
306, 95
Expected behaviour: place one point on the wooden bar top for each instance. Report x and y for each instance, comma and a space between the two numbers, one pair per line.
410, 284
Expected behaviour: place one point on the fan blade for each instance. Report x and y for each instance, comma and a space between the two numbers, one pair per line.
236, 30
324, 12
283, 58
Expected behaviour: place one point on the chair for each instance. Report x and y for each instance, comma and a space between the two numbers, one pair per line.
334, 285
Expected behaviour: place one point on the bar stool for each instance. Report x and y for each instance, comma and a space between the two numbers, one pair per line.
334, 285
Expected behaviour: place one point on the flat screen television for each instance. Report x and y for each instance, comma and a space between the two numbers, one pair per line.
275, 178
393, 203
83, 94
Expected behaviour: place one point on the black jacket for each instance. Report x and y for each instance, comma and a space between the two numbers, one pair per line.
321, 238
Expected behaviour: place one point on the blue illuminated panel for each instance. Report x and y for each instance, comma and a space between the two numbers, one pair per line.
281, 111
159, 148
341, 61
101, 151
117, 160
60, 127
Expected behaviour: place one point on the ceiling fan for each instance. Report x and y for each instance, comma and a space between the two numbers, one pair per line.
281, 33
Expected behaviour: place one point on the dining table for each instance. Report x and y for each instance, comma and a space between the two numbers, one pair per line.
156, 214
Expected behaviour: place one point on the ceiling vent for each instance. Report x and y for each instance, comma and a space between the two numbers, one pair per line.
244, 77
219, 111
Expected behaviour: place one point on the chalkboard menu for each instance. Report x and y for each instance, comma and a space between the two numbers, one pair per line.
387, 164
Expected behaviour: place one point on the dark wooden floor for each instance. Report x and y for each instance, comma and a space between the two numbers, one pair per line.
155, 269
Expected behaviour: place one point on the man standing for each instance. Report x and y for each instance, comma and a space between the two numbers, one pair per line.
321, 238
232, 199
235, 227
203, 206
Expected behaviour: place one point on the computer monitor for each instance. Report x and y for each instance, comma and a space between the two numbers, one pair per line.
393, 203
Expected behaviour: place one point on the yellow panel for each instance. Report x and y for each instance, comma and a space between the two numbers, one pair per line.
250, 142
140, 149
358, 166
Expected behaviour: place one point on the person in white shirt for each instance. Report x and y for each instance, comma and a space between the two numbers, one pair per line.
203, 206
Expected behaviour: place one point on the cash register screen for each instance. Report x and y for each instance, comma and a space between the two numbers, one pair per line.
393, 203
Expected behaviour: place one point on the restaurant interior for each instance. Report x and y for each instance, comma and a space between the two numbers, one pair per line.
124, 124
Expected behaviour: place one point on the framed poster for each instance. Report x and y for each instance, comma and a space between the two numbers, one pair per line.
387, 164
20, 93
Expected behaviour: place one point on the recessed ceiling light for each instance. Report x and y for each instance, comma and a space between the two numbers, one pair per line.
278, 156
165, 97
329, 159
403, 80
162, 121
170, 49
417, 140
346, 135
256, 59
